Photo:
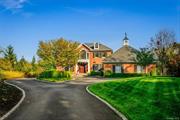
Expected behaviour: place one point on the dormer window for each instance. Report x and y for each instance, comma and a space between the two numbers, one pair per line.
96, 45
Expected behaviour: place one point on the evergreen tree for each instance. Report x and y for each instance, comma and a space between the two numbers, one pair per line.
144, 57
10, 56
33, 63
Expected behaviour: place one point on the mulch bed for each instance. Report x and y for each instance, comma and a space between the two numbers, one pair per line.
9, 97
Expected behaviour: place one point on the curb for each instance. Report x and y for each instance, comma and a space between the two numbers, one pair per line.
17, 105
105, 102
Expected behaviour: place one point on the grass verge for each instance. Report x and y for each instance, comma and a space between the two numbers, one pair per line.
142, 98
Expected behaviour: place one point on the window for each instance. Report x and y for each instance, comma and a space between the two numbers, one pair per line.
118, 69
139, 69
100, 54
97, 67
83, 54
104, 54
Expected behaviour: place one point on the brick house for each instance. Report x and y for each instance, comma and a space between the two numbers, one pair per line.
91, 57
123, 60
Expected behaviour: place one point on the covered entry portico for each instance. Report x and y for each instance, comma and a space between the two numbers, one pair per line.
83, 66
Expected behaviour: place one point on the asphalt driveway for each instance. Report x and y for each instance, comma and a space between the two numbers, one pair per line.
65, 101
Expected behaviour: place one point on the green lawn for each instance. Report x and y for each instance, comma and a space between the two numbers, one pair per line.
142, 98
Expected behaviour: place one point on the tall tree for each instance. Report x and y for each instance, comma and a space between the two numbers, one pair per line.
173, 53
10, 56
58, 52
23, 65
45, 52
160, 44
33, 63
66, 53
144, 57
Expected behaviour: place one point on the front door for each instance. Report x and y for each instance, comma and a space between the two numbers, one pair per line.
83, 67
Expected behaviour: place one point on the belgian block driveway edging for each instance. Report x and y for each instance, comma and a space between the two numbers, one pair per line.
105, 102
17, 105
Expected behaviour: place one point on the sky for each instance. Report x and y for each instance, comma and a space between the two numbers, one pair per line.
23, 23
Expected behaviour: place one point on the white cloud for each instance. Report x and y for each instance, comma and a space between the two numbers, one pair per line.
12, 4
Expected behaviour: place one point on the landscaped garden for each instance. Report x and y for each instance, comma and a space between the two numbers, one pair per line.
55, 76
142, 98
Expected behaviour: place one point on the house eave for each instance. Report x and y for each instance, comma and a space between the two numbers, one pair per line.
119, 62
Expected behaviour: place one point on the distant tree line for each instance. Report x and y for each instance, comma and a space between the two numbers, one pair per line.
9, 62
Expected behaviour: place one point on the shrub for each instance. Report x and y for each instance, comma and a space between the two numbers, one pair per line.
55, 74
115, 75
96, 73
11, 74
31, 74
107, 73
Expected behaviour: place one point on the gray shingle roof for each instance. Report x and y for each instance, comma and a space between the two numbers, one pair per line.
124, 54
101, 47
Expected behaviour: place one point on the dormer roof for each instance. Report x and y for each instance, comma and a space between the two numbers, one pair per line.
101, 47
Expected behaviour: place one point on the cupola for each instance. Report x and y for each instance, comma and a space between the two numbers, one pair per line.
125, 40
96, 45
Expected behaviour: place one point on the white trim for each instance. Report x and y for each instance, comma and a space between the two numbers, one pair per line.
84, 45
89, 66
105, 102
17, 105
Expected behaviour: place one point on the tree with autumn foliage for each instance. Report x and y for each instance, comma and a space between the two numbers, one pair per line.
174, 60
58, 52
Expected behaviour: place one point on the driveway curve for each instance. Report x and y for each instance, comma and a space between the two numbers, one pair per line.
64, 101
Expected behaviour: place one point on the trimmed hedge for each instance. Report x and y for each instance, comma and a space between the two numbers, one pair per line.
56, 74
96, 73
116, 75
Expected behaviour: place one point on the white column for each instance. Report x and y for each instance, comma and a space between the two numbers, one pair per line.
76, 68
88, 66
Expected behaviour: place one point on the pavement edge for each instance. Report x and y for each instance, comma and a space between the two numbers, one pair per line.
17, 105
105, 102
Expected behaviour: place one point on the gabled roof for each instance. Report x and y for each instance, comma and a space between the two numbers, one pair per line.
101, 47
125, 54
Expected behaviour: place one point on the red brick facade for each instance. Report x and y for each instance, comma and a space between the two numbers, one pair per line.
88, 63
129, 68
91, 59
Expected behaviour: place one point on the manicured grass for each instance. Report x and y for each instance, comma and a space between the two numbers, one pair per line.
142, 98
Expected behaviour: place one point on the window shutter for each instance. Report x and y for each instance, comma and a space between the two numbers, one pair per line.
114, 68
